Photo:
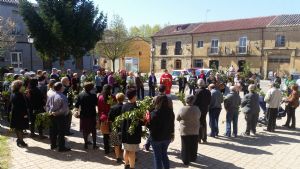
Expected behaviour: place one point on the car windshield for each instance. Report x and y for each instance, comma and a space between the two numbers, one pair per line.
177, 73
296, 77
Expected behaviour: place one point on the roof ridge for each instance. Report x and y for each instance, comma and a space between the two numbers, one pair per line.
260, 17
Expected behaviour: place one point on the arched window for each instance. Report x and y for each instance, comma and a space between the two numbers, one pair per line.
177, 64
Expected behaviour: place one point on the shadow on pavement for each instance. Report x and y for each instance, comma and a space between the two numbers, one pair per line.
201, 162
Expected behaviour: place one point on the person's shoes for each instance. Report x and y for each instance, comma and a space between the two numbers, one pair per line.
86, 146
285, 125
235, 135
246, 134
42, 137
95, 147
32, 135
69, 134
65, 149
119, 161
227, 135
127, 166
292, 128
186, 163
146, 147
204, 141
21, 144
53, 147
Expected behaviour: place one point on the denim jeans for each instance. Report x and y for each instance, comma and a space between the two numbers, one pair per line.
160, 154
214, 114
234, 119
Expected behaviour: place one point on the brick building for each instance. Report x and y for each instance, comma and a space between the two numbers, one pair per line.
267, 43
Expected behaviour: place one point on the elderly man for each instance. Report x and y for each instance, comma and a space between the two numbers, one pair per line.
250, 106
273, 99
54, 74
202, 100
214, 109
231, 104
57, 105
66, 84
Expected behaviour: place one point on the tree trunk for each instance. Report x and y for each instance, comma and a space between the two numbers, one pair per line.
113, 62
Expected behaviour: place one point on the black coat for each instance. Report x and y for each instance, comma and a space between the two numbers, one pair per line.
87, 103
151, 82
36, 100
19, 110
126, 137
161, 125
202, 99
182, 81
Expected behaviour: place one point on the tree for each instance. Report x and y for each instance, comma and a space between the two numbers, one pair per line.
144, 31
62, 29
7, 39
115, 43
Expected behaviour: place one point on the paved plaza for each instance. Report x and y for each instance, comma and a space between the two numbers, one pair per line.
279, 150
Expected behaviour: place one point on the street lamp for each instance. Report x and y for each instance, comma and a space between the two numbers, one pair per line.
30, 41
152, 56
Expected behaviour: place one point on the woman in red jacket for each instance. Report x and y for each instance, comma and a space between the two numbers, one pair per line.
103, 110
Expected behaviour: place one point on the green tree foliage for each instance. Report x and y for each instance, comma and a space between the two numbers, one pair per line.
144, 31
115, 43
63, 28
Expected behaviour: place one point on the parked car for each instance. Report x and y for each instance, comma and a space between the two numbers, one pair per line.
198, 71
176, 73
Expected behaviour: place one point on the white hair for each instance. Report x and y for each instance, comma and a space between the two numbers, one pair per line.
232, 88
201, 83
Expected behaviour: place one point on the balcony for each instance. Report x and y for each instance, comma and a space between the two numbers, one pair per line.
178, 51
243, 50
214, 51
163, 51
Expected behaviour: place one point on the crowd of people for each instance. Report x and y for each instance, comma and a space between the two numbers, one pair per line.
32, 94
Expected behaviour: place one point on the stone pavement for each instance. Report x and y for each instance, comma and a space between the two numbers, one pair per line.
266, 150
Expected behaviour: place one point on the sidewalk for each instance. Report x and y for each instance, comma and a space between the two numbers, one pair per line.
278, 150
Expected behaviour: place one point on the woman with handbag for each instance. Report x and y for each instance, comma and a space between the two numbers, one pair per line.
87, 103
292, 103
103, 109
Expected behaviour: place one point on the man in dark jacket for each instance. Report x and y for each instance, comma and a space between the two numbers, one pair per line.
192, 82
215, 108
66, 84
182, 81
139, 86
250, 106
232, 103
202, 100
36, 102
152, 83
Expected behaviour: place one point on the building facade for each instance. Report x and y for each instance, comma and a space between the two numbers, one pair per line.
22, 54
266, 43
136, 60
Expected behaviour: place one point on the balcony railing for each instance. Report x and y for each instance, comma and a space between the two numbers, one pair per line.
163, 51
243, 50
213, 51
278, 44
178, 51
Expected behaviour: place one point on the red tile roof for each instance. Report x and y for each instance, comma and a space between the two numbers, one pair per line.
239, 24
177, 29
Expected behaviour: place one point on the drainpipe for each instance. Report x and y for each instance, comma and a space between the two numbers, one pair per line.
152, 49
192, 50
262, 53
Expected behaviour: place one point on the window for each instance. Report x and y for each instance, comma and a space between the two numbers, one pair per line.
279, 60
198, 63
243, 45
163, 49
280, 41
200, 44
178, 50
163, 64
16, 59
177, 64
214, 46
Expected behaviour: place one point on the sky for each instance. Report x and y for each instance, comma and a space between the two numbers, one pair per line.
138, 12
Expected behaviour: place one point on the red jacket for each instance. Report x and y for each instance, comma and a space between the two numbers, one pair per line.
103, 109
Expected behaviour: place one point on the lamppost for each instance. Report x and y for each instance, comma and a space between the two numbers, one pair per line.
30, 41
152, 57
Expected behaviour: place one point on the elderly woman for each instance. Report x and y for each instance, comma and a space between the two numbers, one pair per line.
87, 102
189, 117
250, 106
292, 103
19, 116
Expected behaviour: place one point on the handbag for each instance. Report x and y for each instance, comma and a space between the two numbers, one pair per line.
104, 127
281, 112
